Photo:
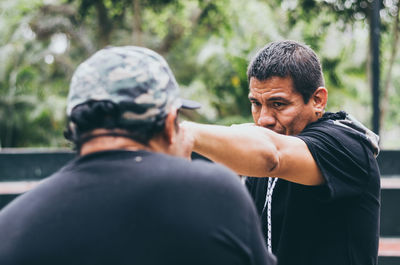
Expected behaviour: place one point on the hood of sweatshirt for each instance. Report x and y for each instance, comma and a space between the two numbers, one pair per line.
344, 119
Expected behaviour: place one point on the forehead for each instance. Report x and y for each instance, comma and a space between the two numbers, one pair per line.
273, 86
274, 83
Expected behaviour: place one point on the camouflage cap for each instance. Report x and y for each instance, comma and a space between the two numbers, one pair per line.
129, 75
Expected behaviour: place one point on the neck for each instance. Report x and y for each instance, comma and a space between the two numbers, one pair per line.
115, 142
105, 143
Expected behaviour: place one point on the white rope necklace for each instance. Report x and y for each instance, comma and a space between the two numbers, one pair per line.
267, 204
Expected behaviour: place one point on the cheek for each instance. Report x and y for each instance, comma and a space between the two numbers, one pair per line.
297, 123
255, 113
290, 119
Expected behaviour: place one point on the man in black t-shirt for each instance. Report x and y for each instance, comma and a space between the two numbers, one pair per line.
312, 174
130, 197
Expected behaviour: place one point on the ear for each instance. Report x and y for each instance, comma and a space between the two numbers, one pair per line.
319, 99
170, 127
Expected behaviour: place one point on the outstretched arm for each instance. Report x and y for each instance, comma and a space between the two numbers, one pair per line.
255, 151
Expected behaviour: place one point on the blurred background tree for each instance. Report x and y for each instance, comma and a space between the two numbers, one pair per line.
208, 45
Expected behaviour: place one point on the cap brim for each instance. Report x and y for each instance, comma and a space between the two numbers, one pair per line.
190, 104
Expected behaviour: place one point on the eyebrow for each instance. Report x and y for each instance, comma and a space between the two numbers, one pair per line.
251, 98
278, 99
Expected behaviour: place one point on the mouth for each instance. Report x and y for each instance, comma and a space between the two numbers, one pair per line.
280, 132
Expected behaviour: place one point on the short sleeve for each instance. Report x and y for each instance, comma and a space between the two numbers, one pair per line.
342, 156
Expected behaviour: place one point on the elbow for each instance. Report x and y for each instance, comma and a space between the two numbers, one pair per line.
269, 164
272, 163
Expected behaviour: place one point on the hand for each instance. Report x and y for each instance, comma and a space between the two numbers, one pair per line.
185, 140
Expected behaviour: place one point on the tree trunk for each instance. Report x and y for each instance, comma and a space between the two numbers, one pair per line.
104, 24
393, 53
374, 26
137, 24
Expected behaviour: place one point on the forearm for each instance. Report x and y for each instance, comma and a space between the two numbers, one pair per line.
248, 150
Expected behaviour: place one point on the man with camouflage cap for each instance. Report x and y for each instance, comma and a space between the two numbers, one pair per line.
130, 197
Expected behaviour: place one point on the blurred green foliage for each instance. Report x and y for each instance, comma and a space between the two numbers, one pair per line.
207, 43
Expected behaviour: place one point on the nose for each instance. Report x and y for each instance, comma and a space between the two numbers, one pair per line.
266, 118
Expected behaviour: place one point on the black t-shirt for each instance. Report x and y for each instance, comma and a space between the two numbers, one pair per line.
335, 223
125, 207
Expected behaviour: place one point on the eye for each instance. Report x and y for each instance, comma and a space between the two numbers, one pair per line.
277, 104
255, 103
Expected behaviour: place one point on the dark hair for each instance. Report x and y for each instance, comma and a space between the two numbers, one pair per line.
93, 115
288, 58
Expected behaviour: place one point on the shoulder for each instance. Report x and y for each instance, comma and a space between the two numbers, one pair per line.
340, 135
333, 138
328, 128
344, 153
150, 166
204, 171
337, 132
196, 167
201, 176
